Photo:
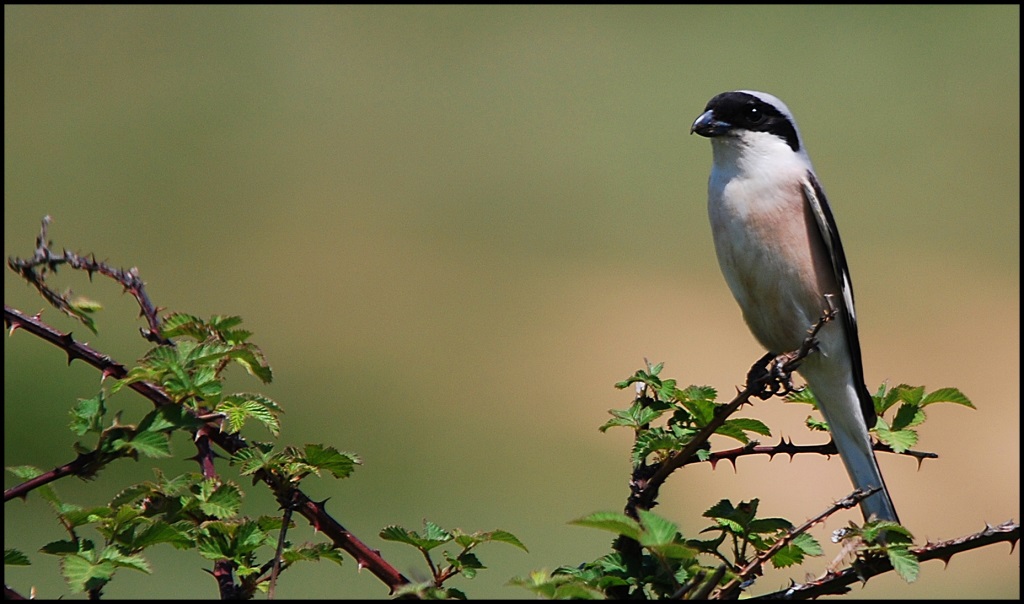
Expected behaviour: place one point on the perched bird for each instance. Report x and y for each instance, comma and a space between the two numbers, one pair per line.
780, 253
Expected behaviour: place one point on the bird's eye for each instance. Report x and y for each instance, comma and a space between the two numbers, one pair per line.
754, 115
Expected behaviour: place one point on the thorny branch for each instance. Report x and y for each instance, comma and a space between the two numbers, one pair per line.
44, 260
839, 582
731, 589
647, 480
34, 271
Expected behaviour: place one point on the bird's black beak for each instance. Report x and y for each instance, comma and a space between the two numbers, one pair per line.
707, 125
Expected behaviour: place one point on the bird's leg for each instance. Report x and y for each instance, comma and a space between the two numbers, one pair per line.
775, 373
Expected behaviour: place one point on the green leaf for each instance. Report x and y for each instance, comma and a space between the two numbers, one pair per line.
314, 553
655, 440
804, 396
904, 563
434, 532
435, 536
786, 556
152, 444
239, 407
82, 308
808, 545
947, 395
767, 526
251, 359
557, 586
899, 440
902, 393
657, 531
87, 415
60, 548
505, 537
894, 533
340, 464
816, 425
162, 532
83, 574
13, 557
181, 324
167, 418
740, 514
703, 411
611, 521
220, 502
135, 562
249, 537
749, 424
25, 472
907, 416
82, 516
636, 416
794, 552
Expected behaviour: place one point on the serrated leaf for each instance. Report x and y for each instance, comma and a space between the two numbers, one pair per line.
899, 440
816, 425
505, 537
657, 531
895, 534
703, 411
749, 424
788, 555
907, 416
87, 415
134, 561
13, 557
60, 548
168, 417
655, 440
222, 502
740, 514
902, 393
150, 444
338, 463
402, 535
804, 396
83, 574
82, 516
794, 552
161, 532
904, 563
620, 524
251, 359
947, 395
397, 533
434, 532
767, 526
225, 322
25, 472
469, 560
636, 416
249, 537
808, 545
181, 324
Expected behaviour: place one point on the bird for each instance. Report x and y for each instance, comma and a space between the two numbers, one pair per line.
779, 250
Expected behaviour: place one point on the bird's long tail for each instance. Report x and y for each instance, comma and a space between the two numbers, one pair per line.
840, 403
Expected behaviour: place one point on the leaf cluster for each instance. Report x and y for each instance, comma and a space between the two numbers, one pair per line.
187, 512
464, 562
686, 412
903, 403
671, 565
652, 559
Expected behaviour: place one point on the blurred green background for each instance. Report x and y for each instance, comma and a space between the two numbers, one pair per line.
453, 229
